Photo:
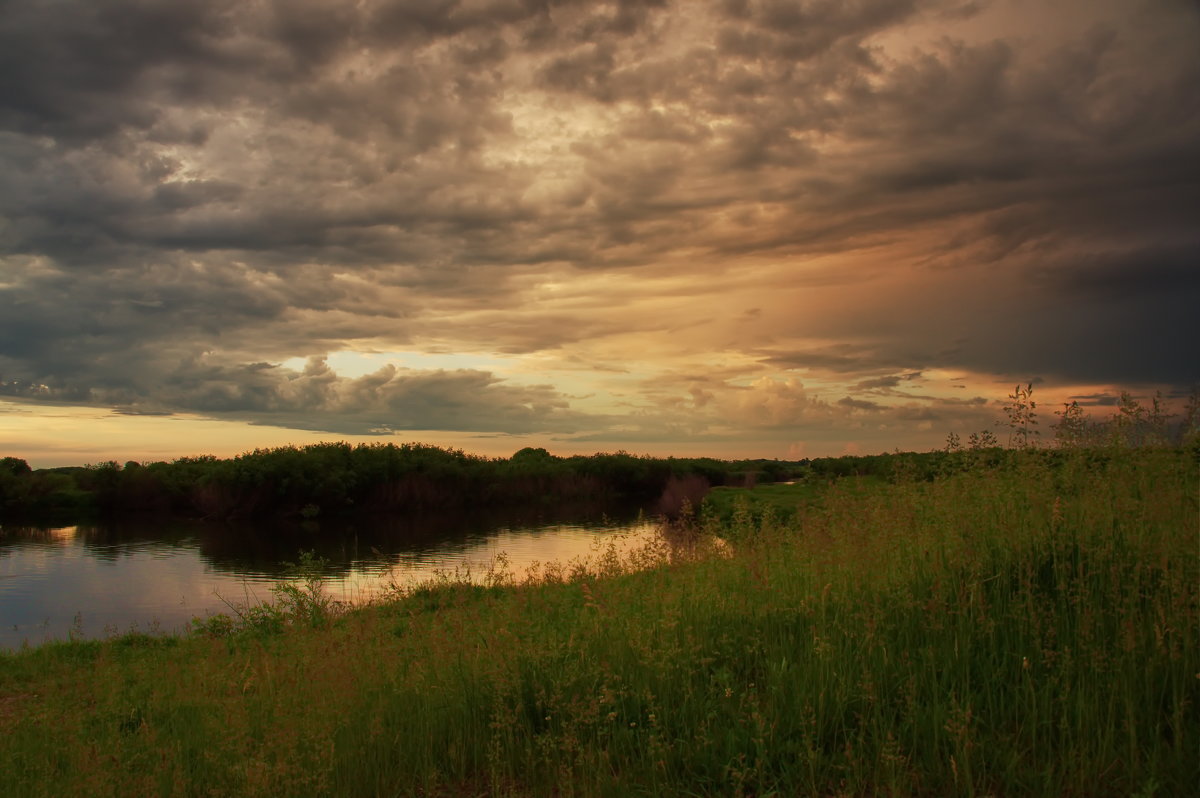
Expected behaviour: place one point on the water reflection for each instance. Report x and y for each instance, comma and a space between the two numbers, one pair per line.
92, 580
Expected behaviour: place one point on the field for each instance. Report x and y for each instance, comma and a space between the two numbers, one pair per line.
1022, 626
781, 501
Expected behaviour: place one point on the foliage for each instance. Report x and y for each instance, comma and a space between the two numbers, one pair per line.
337, 479
1071, 428
681, 497
301, 601
727, 505
331, 480
1024, 627
14, 467
1021, 411
984, 439
1131, 425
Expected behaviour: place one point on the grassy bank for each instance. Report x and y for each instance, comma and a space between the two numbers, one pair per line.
1022, 629
780, 502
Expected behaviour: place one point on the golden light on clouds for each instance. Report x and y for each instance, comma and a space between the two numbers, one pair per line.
738, 227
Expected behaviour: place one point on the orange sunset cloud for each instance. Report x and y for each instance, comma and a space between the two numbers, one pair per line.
741, 228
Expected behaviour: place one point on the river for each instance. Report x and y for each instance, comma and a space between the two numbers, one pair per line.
94, 581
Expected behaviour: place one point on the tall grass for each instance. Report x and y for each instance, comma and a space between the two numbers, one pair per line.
1023, 629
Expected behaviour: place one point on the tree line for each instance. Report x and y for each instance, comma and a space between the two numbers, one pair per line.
340, 479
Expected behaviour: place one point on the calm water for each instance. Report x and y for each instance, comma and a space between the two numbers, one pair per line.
94, 581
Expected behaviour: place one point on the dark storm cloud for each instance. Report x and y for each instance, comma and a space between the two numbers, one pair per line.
791, 31
1129, 275
77, 71
130, 342
1095, 400
194, 188
917, 414
317, 398
859, 404
387, 400
843, 359
884, 383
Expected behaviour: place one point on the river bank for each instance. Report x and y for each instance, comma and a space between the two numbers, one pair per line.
1027, 629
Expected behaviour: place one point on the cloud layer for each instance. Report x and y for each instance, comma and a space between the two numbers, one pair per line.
647, 220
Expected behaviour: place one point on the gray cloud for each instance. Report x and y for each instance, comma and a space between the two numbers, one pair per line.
389, 400
859, 404
842, 359
1095, 400
886, 382
195, 189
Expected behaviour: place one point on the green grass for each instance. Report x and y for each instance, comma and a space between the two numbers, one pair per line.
781, 501
1023, 630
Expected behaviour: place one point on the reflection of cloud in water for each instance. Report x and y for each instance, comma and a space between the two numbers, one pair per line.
30, 536
51, 593
516, 553
97, 580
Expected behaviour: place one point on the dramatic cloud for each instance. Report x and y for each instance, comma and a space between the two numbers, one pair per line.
633, 221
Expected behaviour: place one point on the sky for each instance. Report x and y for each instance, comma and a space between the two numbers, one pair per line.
738, 228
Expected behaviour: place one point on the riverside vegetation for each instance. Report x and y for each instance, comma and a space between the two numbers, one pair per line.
340, 480
1013, 622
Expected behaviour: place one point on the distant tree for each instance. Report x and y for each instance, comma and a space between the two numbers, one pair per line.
1071, 427
775, 471
529, 454
982, 440
1189, 431
14, 466
1159, 422
1127, 423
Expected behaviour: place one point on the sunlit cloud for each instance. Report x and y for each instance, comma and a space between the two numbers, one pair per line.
755, 226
